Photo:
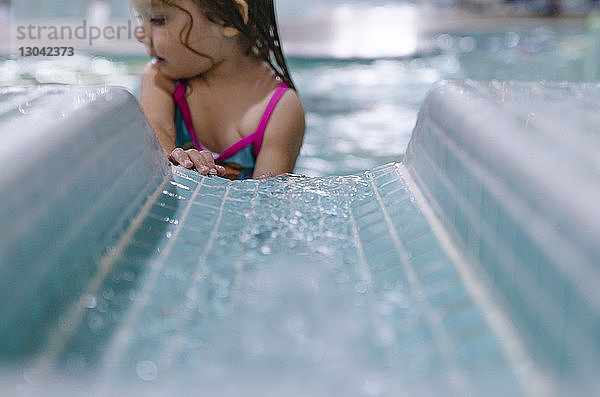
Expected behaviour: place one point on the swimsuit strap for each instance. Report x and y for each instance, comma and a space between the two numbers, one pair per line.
179, 97
262, 126
256, 137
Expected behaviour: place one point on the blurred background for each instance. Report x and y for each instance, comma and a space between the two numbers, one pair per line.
361, 67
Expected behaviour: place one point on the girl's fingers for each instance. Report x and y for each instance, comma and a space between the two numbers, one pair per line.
220, 170
198, 161
179, 156
202, 160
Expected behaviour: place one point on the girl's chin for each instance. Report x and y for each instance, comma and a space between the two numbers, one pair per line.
164, 68
168, 70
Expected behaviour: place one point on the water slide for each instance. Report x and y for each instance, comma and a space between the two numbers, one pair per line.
470, 266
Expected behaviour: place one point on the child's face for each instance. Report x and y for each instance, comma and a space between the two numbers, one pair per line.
164, 30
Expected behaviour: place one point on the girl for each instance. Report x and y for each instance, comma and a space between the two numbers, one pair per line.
218, 83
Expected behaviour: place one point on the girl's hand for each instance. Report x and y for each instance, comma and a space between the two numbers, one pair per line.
203, 161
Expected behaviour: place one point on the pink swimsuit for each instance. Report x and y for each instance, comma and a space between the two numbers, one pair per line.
240, 158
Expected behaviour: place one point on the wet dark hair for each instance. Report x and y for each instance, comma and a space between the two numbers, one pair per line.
260, 33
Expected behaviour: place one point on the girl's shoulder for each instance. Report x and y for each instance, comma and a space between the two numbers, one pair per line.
290, 105
290, 111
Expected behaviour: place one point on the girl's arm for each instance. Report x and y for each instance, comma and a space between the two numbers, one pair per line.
283, 137
156, 100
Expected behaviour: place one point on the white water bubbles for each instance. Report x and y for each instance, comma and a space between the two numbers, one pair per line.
302, 214
147, 370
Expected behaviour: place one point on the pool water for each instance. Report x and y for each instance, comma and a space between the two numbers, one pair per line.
360, 113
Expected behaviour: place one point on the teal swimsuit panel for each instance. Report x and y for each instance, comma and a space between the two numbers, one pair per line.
239, 159
244, 158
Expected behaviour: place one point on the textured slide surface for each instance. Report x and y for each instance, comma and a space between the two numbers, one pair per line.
466, 268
